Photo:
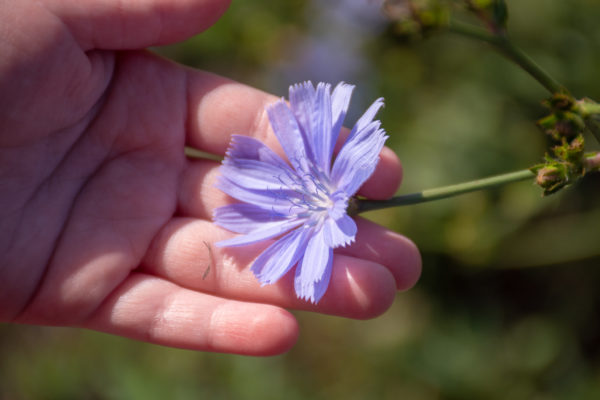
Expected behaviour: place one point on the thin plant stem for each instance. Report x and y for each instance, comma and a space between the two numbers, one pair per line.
588, 107
193, 153
443, 192
502, 44
590, 110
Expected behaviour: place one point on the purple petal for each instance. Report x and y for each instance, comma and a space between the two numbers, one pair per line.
302, 100
256, 175
340, 100
321, 286
248, 148
244, 218
358, 158
282, 255
366, 119
340, 205
288, 133
339, 232
265, 231
313, 274
276, 200
321, 139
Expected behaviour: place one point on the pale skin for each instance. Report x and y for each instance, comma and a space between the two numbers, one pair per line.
106, 225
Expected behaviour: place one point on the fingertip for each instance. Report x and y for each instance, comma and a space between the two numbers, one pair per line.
381, 288
413, 266
252, 329
279, 332
396, 252
288, 334
386, 178
359, 289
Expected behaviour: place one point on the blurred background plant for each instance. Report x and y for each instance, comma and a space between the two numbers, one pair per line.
508, 305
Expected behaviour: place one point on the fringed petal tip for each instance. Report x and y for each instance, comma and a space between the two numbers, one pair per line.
307, 291
308, 298
313, 292
306, 86
279, 103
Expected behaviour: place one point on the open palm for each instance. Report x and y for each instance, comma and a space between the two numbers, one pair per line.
105, 224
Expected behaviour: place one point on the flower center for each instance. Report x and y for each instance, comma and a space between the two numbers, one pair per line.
313, 195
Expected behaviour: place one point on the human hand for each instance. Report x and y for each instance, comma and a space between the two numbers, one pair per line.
104, 224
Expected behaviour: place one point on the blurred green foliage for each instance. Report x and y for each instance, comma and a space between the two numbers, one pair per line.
508, 306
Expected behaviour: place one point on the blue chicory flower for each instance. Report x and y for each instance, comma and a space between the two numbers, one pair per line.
301, 202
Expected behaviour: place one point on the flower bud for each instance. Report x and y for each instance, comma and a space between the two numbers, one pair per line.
551, 178
416, 18
587, 108
592, 162
562, 124
572, 151
560, 101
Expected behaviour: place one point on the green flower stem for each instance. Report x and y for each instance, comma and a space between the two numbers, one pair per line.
588, 108
595, 129
190, 152
442, 192
592, 161
502, 44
